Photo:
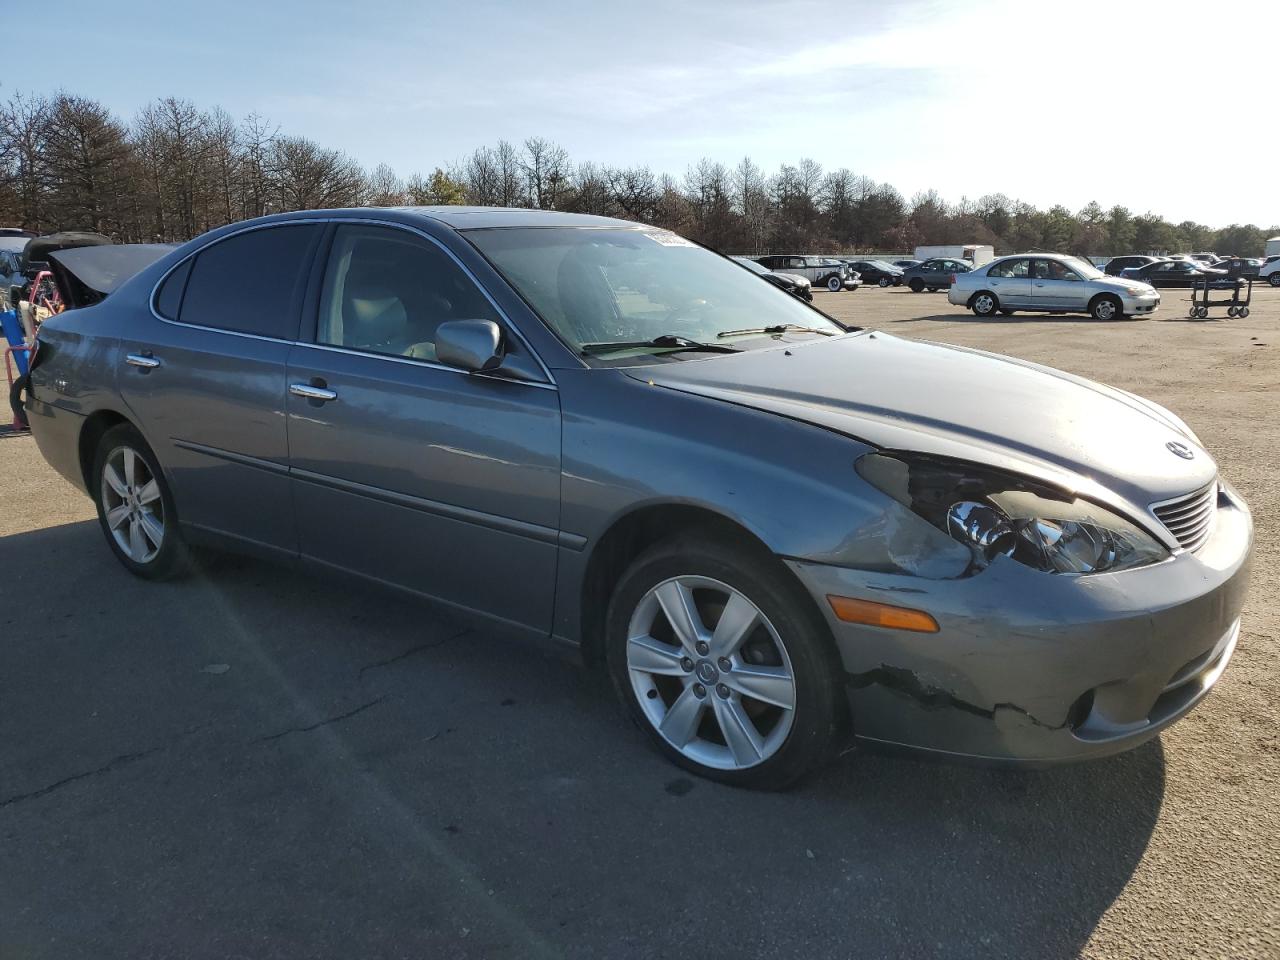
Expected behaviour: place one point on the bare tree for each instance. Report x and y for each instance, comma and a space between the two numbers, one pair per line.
306, 176
87, 159
382, 188
546, 170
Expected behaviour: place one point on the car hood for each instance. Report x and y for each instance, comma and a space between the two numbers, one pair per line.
795, 278
911, 395
1123, 284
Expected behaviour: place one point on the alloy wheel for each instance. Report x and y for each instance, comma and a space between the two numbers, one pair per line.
132, 504
710, 672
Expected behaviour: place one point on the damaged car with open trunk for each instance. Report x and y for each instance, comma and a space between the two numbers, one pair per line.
771, 533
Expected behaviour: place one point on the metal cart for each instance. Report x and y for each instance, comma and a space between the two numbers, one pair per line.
1236, 307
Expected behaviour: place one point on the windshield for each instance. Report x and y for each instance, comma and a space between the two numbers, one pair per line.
1084, 268
619, 285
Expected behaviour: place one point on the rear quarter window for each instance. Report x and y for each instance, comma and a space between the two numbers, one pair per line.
251, 282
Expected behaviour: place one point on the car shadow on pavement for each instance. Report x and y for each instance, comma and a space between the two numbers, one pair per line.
969, 317
261, 761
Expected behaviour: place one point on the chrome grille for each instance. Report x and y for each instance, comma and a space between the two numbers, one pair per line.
1189, 518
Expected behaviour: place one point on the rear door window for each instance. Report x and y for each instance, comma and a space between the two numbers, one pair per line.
251, 282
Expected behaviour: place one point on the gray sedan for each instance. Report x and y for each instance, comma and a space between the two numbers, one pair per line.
1051, 283
771, 532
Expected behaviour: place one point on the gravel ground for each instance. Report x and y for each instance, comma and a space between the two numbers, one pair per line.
255, 764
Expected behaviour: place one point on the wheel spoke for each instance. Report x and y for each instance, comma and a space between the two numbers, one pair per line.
653, 656
137, 540
151, 527
744, 740
736, 623
150, 492
681, 722
677, 603
117, 515
768, 684
130, 468
117, 485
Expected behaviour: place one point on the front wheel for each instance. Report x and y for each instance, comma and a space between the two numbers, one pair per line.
723, 660
1274, 279
135, 507
835, 284
1106, 308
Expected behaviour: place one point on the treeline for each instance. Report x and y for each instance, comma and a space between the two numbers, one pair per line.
175, 170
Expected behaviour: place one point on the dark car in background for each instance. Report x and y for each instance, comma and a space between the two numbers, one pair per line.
1175, 273
904, 263
934, 274
877, 272
1117, 265
794, 285
827, 272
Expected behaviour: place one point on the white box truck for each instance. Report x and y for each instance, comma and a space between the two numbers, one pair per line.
1273, 247
975, 253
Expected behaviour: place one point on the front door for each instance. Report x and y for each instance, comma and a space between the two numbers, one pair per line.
1055, 286
408, 471
207, 386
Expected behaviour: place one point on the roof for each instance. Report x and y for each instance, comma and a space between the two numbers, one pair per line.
479, 218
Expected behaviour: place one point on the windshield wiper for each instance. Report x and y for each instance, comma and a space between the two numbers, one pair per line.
669, 340
779, 328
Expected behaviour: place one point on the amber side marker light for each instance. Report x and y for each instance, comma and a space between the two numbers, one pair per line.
882, 615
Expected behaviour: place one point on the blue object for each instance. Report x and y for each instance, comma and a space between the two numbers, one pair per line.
13, 334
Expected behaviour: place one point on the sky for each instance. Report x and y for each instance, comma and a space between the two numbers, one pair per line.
1166, 107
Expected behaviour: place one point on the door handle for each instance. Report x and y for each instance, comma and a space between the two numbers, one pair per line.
1039, 284
143, 360
312, 393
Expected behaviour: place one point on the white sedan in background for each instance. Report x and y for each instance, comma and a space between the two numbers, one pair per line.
1050, 283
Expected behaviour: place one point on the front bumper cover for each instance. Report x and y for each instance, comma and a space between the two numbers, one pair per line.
1031, 667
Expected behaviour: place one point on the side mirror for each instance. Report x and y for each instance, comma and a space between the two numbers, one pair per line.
471, 345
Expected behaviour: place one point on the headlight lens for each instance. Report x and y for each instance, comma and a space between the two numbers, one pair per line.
996, 513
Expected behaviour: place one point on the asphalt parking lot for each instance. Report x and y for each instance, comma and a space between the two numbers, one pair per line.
251, 763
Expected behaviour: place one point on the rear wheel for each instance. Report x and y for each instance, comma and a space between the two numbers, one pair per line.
1274, 279
916, 284
884, 281
135, 507
722, 659
984, 304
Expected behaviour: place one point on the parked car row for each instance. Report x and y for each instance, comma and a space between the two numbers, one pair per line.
790, 282
1187, 269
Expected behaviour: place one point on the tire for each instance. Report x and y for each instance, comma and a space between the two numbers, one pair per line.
1106, 308
1231, 312
884, 282
659, 680
1242, 312
1274, 279
835, 284
984, 304
916, 284
1202, 313
138, 519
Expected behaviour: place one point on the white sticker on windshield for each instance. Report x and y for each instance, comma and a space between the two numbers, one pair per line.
668, 239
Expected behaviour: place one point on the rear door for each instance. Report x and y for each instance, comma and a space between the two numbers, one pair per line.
1010, 281
408, 471
207, 386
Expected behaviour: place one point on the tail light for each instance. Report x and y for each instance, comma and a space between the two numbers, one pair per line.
953, 278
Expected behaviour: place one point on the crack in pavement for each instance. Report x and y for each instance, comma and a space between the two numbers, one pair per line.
412, 650
123, 760
321, 723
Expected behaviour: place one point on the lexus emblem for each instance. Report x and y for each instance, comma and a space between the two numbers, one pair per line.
1181, 450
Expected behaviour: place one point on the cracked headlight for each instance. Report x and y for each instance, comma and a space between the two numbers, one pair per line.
996, 513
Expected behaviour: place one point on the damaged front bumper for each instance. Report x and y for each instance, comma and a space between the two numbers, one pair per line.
1038, 668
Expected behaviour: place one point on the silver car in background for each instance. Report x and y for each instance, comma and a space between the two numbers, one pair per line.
1051, 283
